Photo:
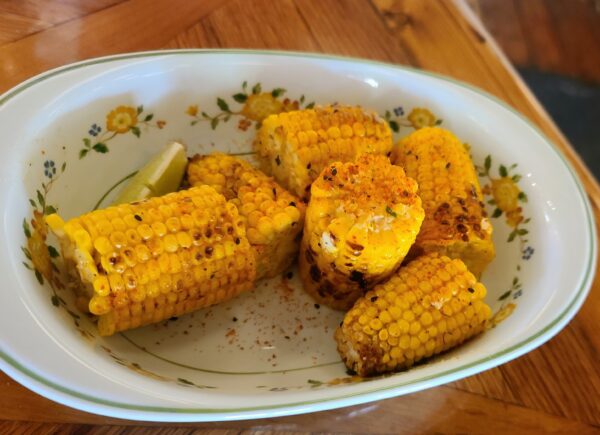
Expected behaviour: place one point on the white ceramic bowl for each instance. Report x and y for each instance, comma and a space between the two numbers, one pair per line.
69, 135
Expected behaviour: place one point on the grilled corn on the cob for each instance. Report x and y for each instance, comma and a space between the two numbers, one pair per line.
455, 222
148, 261
296, 146
360, 223
431, 305
273, 216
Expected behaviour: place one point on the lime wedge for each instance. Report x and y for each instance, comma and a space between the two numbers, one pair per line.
160, 176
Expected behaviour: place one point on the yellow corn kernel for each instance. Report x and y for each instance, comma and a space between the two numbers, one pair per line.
407, 343
146, 262
455, 222
273, 217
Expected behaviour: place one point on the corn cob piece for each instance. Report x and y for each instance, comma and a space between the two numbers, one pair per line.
429, 306
455, 222
296, 146
145, 262
360, 223
273, 216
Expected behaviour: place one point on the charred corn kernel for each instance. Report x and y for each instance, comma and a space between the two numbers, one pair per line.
273, 216
296, 146
455, 222
361, 220
431, 333
130, 282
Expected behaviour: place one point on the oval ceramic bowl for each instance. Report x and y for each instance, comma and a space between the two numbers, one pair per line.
71, 135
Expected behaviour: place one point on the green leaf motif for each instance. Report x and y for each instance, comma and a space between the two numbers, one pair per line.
26, 253
136, 131
140, 109
39, 277
503, 171
83, 153
100, 148
240, 98
277, 92
55, 301
49, 209
63, 167
32, 202
245, 84
87, 142
512, 236
438, 121
522, 231
184, 381
522, 197
516, 178
222, 105
149, 117
302, 99
256, 89
214, 123
505, 295
497, 213
41, 199
310, 105
314, 382
488, 163
53, 252
394, 126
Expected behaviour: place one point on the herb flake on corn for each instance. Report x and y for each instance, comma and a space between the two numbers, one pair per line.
431, 305
145, 262
360, 223
455, 222
273, 216
296, 146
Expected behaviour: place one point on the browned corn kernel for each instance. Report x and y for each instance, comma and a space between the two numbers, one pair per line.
455, 220
162, 257
361, 220
429, 306
273, 216
296, 146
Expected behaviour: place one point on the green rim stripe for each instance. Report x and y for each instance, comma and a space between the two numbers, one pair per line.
504, 355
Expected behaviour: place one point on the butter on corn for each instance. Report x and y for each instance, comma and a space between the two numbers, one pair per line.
360, 223
145, 262
431, 305
273, 216
455, 222
296, 146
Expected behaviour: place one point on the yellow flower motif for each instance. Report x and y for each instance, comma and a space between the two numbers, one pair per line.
506, 194
514, 217
502, 314
419, 118
259, 106
192, 110
121, 119
39, 254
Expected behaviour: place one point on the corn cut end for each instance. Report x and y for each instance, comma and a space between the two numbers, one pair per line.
360, 223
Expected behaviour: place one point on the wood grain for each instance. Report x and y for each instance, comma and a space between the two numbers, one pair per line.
558, 36
553, 389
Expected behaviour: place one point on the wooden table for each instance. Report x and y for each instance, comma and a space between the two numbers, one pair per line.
555, 388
